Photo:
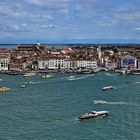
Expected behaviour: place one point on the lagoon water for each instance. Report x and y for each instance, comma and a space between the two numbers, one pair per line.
47, 109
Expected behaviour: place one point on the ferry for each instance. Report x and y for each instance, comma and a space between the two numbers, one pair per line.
108, 88
4, 89
93, 114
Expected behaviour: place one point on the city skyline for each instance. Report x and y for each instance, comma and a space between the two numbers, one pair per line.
96, 21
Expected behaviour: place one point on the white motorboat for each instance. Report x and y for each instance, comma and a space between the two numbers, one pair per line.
71, 78
93, 114
23, 86
99, 102
108, 88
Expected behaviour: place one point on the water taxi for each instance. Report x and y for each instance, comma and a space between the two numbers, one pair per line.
93, 114
108, 88
99, 102
23, 86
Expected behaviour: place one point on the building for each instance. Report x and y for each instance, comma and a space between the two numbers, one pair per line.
30, 51
89, 64
111, 64
16, 66
54, 63
43, 63
128, 61
99, 52
138, 62
4, 61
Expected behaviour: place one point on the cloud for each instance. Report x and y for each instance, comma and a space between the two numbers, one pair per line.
22, 11
10, 10
69, 18
130, 16
6, 27
50, 4
136, 29
47, 26
84, 5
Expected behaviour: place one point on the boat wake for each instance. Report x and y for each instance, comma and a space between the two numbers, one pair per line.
70, 78
78, 78
137, 82
111, 103
50, 81
109, 74
38, 83
118, 103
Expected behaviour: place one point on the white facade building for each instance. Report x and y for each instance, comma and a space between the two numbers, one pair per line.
67, 64
55, 63
4, 62
81, 64
43, 64
111, 65
59, 64
87, 64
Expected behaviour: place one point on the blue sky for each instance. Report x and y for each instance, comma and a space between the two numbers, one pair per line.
45, 20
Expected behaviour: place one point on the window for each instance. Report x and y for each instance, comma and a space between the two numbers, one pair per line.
2, 64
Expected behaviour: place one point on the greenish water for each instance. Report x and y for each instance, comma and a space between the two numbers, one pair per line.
47, 109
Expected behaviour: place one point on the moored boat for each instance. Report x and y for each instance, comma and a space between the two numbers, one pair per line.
12, 73
86, 71
93, 114
29, 74
46, 76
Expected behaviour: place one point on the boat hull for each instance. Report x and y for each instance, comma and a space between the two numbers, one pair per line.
93, 116
108, 88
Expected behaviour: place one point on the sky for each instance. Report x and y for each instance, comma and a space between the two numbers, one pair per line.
28, 21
